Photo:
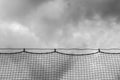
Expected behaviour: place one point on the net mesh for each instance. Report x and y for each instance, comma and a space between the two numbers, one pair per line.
59, 65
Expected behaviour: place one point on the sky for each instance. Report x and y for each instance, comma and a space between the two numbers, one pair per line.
59, 23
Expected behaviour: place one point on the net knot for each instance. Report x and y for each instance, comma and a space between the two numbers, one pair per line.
24, 50
55, 50
99, 50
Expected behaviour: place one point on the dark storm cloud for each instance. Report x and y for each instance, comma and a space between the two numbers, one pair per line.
112, 8
80, 9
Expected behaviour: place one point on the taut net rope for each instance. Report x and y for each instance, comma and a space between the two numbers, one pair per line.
59, 64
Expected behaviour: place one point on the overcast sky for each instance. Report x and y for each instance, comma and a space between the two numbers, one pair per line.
60, 23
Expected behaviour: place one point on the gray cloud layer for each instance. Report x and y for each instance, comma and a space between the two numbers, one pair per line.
73, 10
17, 9
60, 23
89, 8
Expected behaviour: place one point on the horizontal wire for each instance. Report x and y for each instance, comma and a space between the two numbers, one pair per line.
24, 50
59, 48
60, 53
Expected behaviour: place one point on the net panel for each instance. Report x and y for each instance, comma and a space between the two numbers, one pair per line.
28, 65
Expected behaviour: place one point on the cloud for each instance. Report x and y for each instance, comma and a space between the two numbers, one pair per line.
80, 9
61, 23
18, 9
16, 35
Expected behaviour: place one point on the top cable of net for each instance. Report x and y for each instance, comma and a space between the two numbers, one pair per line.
56, 50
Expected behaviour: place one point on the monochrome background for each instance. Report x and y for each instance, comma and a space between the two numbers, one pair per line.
59, 24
